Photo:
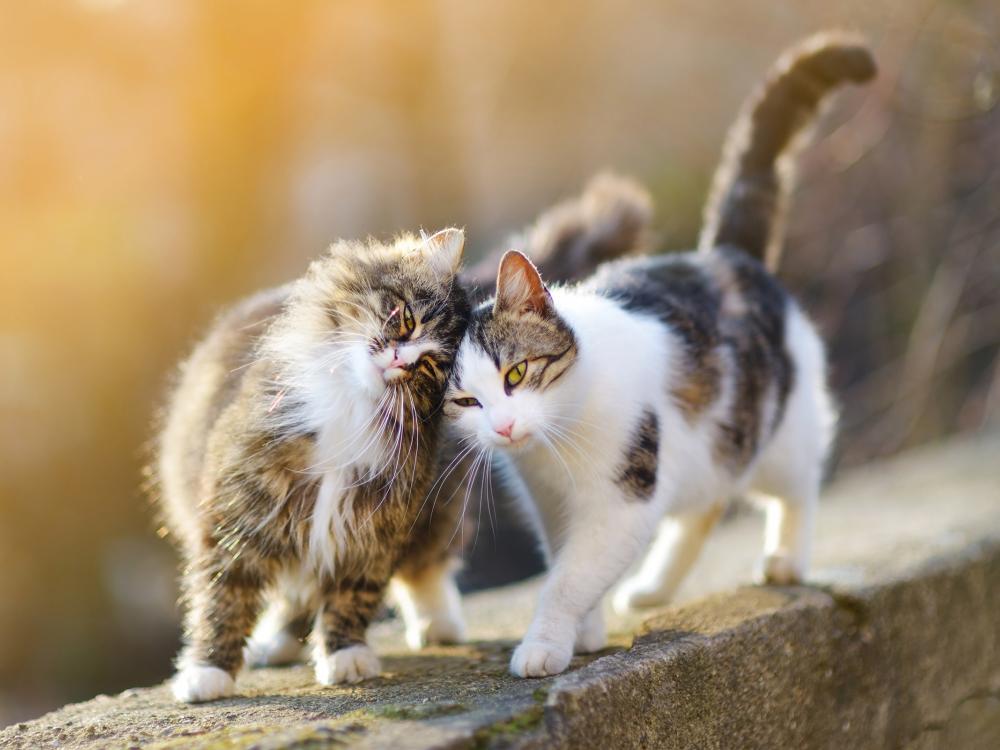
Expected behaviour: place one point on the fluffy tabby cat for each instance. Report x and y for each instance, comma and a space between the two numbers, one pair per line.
633, 405
298, 445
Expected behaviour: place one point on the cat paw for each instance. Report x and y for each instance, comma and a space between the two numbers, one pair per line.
780, 570
352, 664
441, 629
539, 659
592, 635
633, 595
197, 683
274, 650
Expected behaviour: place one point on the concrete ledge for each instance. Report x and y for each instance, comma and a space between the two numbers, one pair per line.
885, 666
897, 645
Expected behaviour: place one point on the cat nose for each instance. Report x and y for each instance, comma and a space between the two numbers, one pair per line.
505, 430
397, 361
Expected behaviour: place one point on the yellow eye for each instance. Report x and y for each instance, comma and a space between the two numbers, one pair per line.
516, 373
408, 322
465, 402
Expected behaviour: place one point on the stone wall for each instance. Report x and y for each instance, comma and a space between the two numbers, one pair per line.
896, 644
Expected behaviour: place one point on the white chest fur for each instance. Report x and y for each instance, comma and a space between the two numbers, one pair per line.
350, 450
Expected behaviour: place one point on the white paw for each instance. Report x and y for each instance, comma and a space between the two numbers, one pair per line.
273, 650
633, 595
592, 635
198, 683
441, 628
351, 664
539, 659
780, 570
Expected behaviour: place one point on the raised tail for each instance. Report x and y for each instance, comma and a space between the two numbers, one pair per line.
746, 204
610, 219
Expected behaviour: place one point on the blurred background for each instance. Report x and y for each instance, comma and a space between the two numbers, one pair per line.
161, 158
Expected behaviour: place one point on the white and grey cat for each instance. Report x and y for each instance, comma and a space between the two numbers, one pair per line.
632, 406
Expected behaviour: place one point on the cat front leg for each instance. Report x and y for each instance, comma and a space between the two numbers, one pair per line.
424, 585
592, 635
604, 537
223, 598
340, 651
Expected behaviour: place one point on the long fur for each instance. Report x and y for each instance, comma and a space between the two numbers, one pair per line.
609, 219
298, 446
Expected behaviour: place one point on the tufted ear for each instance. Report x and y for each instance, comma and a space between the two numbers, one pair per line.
519, 286
443, 250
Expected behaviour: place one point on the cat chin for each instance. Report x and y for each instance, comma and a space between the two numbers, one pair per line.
513, 447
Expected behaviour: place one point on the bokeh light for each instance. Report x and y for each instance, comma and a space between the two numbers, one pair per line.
161, 158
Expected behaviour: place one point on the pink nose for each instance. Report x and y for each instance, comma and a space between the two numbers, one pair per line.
506, 429
397, 361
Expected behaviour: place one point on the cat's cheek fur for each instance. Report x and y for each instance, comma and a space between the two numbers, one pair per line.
524, 407
366, 373
463, 420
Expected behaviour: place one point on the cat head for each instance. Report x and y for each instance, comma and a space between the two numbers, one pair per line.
506, 386
377, 317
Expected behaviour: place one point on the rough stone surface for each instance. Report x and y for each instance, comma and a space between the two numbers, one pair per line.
895, 645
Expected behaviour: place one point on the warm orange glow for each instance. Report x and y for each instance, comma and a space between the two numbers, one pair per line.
160, 158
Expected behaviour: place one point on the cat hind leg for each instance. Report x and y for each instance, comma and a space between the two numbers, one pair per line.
430, 604
788, 532
675, 549
279, 638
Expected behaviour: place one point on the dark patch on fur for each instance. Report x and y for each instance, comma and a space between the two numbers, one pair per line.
756, 341
677, 290
637, 477
673, 288
729, 314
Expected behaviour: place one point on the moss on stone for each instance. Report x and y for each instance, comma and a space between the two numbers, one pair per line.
503, 731
419, 712
312, 737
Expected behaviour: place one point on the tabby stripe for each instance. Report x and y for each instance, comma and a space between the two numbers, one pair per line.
551, 359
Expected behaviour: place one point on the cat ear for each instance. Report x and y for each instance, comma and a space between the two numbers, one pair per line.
519, 286
443, 250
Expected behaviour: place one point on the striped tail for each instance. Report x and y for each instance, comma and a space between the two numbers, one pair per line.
610, 219
746, 205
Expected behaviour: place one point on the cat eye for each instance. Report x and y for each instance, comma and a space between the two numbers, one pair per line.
467, 402
409, 323
516, 373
